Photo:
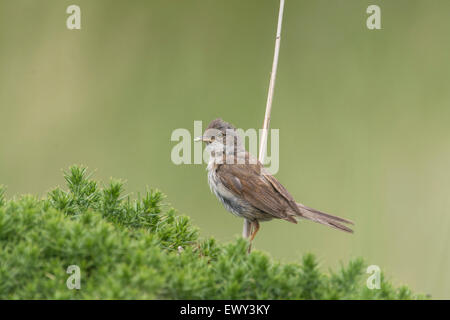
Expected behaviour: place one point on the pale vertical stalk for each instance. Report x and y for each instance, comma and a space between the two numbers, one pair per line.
263, 142
247, 230
273, 75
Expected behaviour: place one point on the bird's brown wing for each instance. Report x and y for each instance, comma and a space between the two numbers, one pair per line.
260, 189
281, 190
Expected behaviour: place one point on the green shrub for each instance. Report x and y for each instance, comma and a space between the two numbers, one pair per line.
141, 249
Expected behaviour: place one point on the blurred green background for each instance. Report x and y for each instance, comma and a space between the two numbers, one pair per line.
363, 115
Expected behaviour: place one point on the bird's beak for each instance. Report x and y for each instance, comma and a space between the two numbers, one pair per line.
201, 138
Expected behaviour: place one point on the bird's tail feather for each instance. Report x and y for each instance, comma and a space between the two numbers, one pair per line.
324, 218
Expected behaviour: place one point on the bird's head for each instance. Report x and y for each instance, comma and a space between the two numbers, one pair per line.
217, 132
222, 138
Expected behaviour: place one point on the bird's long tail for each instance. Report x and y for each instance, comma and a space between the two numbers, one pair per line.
324, 218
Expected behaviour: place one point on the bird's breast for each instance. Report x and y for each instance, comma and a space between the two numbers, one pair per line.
231, 202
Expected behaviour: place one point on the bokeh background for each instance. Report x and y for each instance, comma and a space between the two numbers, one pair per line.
363, 115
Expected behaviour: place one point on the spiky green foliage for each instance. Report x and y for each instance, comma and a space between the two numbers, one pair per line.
142, 249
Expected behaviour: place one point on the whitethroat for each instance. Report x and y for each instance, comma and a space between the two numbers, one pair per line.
246, 189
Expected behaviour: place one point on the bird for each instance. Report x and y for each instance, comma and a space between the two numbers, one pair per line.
247, 189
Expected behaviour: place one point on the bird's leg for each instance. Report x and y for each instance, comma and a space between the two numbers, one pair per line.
255, 228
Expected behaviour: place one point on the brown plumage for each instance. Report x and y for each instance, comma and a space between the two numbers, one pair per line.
247, 190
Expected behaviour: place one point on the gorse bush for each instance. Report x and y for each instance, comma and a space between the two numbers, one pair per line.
141, 249
144, 214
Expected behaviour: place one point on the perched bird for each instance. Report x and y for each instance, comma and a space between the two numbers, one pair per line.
246, 189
